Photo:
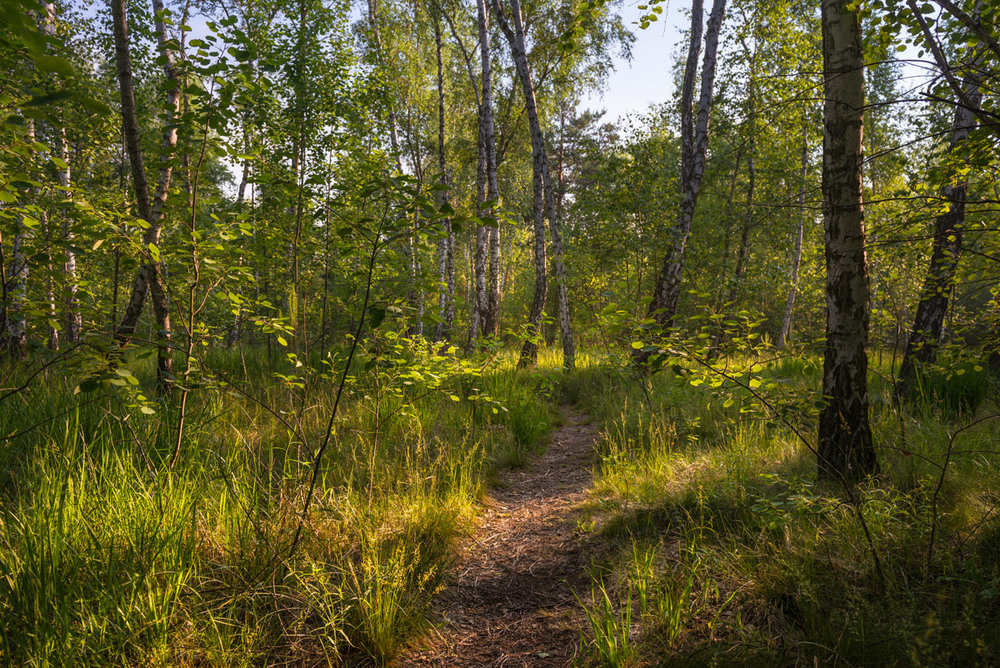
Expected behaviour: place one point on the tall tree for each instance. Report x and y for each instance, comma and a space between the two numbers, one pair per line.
845, 439
928, 323
149, 278
786, 320
543, 200
446, 245
487, 237
694, 148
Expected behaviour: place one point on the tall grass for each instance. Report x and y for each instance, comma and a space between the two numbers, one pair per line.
109, 557
757, 563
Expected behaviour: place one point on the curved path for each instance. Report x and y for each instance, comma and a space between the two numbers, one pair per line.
510, 600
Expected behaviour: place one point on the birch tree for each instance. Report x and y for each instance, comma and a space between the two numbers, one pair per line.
845, 440
487, 256
543, 202
928, 323
149, 278
786, 320
446, 245
694, 148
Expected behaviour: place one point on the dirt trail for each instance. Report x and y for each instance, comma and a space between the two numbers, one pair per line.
510, 601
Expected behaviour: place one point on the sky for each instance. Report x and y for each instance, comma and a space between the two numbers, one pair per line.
632, 87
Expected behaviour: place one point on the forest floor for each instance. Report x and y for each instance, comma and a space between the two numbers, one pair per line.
511, 600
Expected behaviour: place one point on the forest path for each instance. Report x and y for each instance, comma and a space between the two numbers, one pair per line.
510, 600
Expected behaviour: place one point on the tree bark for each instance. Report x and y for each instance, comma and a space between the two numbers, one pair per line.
928, 323
413, 294
446, 246
786, 321
743, 251
541, 198
845, 441
490, 318
149, 278
51, 323
727, 243
16, 332
481, 250
544, 200
377, 36
73, 320
694, 147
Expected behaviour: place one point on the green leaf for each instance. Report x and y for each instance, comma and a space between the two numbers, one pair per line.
54, 64
49, 98
92, 105
88, 385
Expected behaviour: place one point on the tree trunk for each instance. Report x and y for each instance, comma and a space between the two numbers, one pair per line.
727, 243
149, 278
928, 323
544, 200
73, 321
565, 327
17, 330
16, 333
478, 278
52, 321
845, 440
490, 301
413, 294
786, 321
446, 246
743, 252
694, 147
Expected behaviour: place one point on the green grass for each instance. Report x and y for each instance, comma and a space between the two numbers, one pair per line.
713, 542
108, 557
707, 512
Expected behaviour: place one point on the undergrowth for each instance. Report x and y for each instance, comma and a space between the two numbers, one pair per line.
110, 557
717, 545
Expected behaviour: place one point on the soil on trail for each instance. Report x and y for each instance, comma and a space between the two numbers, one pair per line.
510, 600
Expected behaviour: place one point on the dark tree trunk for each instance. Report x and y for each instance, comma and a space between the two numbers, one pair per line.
928, 323
845, 439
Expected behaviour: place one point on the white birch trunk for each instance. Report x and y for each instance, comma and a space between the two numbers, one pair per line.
845, 448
